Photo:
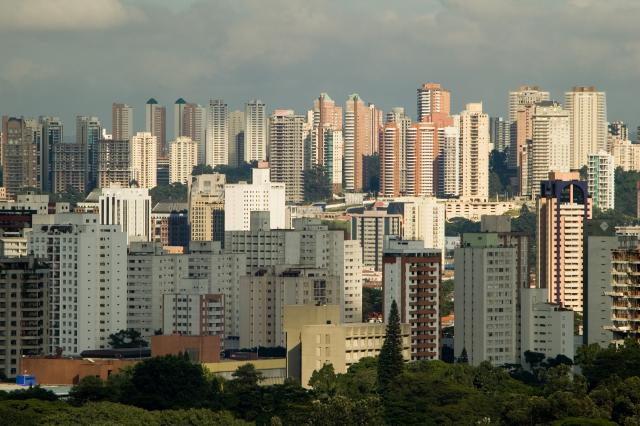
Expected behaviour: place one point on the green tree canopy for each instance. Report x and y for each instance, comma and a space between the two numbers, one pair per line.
317, 185
129, 338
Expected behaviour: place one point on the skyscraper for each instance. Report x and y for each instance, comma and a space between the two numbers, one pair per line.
144, 160
588, 118
183, 156
121, 122
179, 127
562, 210
217, 137
20, 150
549, 148
88, 133
52, 134
255, 131
601, 180
333, 156
114, 163
449, 162
236, 138
326, 115
474, 152
206, 207
69, 168
156, 124
519, 99
357, 141
191, 121
433, 99
390, 161
397, 115
287, 152
499, 133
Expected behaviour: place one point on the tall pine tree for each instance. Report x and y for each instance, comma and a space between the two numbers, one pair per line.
390, 362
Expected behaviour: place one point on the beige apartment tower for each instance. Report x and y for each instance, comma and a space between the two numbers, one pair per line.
287, 152
183, 156
588, 118
474, 152
156, 124
144, 159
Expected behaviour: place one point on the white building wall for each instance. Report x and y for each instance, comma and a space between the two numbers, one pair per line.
130, 208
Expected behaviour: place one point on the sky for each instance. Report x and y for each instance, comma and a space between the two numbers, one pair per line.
69, 57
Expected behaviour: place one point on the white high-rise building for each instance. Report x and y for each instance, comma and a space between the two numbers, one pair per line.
240, 199
183, 156
255, 136
474, 152
88, 279
217, 136
143, 159
601, 180
549, 149
130, 208
423, 219
236, 138
588, 119
486, 279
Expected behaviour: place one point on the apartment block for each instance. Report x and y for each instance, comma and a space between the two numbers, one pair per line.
369, 228
601, 172
206, 207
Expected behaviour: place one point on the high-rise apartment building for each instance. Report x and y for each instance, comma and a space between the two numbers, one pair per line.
240, 199
88, 133
411, 278
69, 167
421, 143
121, 122
601, 172
287, 152
486, 297
24, 313
129, 208
626, 155
255, 137
449, 161
190, 120
499, 131
588, 118
21, 139
377, 123
549, 146
474, 152
183, 156
618, 130
144, 160
390, 160
236, 138
423, 220
326, 117
433, 99
217, 136
333, 156
309, 245
520, 100
357, 134
402, 123
370, 229
156, 124
52, 134
114, 163
88, 279
562, 210
206, 207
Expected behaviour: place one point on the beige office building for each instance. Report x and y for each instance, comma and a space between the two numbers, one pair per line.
183, 156
588, 117
315, 336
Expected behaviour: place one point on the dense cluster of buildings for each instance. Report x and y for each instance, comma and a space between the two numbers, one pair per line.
248, 262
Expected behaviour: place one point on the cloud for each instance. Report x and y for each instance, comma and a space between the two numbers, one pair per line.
65, 15
23, 70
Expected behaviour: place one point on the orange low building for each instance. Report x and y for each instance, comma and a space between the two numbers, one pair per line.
200, 348
69, 371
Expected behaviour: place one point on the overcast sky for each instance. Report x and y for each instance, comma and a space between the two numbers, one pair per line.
68, 57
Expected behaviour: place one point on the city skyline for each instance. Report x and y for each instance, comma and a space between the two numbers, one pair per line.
235, 51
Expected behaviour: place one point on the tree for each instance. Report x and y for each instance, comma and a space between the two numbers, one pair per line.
89, 388
458, 225
167, 382
371, 166
317, 185
201, 169
243, 395
390, 361
371, 302
324, 381
127, 339
172, 193
625, 191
